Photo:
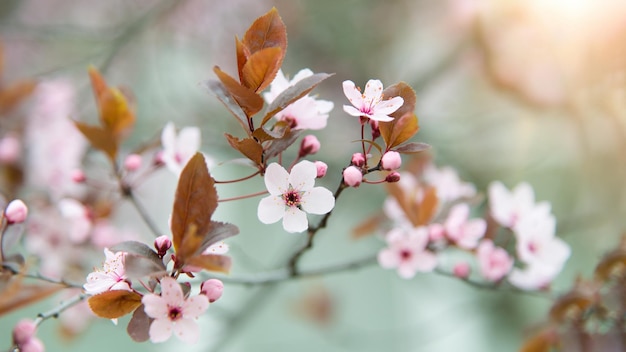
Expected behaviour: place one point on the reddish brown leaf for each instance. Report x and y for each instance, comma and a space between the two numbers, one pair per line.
99, 138
16, 295
194, 204
114, 304
540, 342
261, 68
407, 93
410, 148
428, 206
367, 227
248, 147
219, 231
279, 130
115, 113
267, 31
139, 325
277, 146
242, 56
13, 95
98, 84
211, 262
250, 102
220, 91
399, 130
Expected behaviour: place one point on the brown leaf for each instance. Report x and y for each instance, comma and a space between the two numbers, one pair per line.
428, 206
540, 342
219, 231
267, 31
114, 304
261, 68
98, 84
16, 295
139, 325
115, 113
11, 96
278, 131
407, 93
211, 262
223, 95
246, 98
194, 204
277, 146
137, 266
399, 130
242, 56
248, 147
367, 227
99, 138
419, 213
410, 148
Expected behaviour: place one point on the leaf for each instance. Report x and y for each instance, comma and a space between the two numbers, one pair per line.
279, 145
13, 95
407, 93
222, 94
246, 98
293, 93
261, 68
98, 84
242, 56
114, 304
412, 148
135, 247
139, 325
279, 131
137, 266
428, 206
219, 232
15, 295
194, 204
540, 342
248, 147
99, 138
115, 113
367, 227
211, 262
399, 130
267, 31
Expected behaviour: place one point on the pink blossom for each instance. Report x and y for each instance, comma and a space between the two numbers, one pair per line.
310, 145
461, 270
10, 149
494, 261
133, 162
533, 276
407, 252
291, 195
179, 148
78, 176
391, 160
321, 168
448, 184
370, 104
112, 277
162, 244
436, 232
213, 289
393, 177
305, 113
24, 330
78, 219
352, 176
358, 159
16, 212
32, 345
462, 231
508, 207
173, 313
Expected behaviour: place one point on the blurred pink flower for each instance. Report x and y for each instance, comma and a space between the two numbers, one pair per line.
494, 261
462, 231
179, 148
407, 252
508, 207
448, 184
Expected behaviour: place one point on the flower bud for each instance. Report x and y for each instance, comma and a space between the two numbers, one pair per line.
16, 212
310, 145
393, 177
23, 331
78, 176
352, 176
358, 159
436, 232
132, 162
461, 270
10, 149
158, 159
391, 160
32, 345
375, 129
321, 168
162, 244
213, 289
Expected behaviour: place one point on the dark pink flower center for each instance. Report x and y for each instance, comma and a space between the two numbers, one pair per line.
405, 254
292, 198
532, 247
291, 121
175, 313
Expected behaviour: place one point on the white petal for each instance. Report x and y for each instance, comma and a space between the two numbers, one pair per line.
271, 209
188, 142
303, 174
195, 306
350, 110
388, 258
354, 96
319, 200
500, 203
171, 291
295, 220
406, 270
160, 330
302, 74
524, 196
373, 90
155, 306
379, 117
425, 261
187, 331
168, 138
324, 106
418, 238
276, 179
387, 107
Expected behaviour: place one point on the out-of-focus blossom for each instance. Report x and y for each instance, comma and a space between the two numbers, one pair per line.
10, 149
23, 331
310, 145
16, 212
448, 184
461, 270
305, 113
111, 277
179, 148
508, 207
370, 103
462, 231
494, 261
352, 176
78, 219
133, 162
172, 313
407, 252
292, 194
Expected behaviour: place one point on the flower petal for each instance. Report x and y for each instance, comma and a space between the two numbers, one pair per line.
425, 261
373, 90
302, 74
350, 110
319, 200
302, 176
388, 258
276, 179
188, 142
379, 117
271, 209
387, 107
295, 220
168, 138
406, 270
187, 331
353, 94
155, 306
171, 291
160, 330
195, 306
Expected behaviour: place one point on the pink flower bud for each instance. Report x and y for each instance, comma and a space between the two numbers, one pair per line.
358, 159
391, 160
23, 331
10, 149
375, 129
213, 289
352, 176
461, 270
393, 177
436, 232
321, 168
162, 244
16, 212
133, 162
32, 345
78, 176
158, 159
310, 145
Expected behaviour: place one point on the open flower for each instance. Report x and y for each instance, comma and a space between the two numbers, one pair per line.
112, 277
494, 261
462, 231
370, 104
178, 149
508, 207
292, 194
173, 313
407, 252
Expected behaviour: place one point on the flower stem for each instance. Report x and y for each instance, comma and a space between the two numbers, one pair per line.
239, 179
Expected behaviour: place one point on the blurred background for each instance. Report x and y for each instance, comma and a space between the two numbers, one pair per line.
510, 90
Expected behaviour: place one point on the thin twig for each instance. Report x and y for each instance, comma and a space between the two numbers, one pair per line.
143, 213
65, 305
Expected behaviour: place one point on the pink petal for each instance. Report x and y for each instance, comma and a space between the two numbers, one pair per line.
188, 142
302, 74
373, 90
425, 261
350, 110
418, 238
276, 179
171, 291
98, 282
155, 306
379, 117
388, 258
319, 200
168, 138
500, 203
406, 270
195, 306
271, 209
187, 331
303, 174
295, 220
523, 195
160, 330
390, 106
354, 96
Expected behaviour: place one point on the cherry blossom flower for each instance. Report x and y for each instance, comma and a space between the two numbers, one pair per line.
24, 336
213, 289
391, 160
78, 219
10, 149
448, 184
112, 277
292, 194
178, 149
352, 176
407, 252
508, 207
370, 104
533, 277
494, 261
16, 212
462, 231
173, 313
306, 112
